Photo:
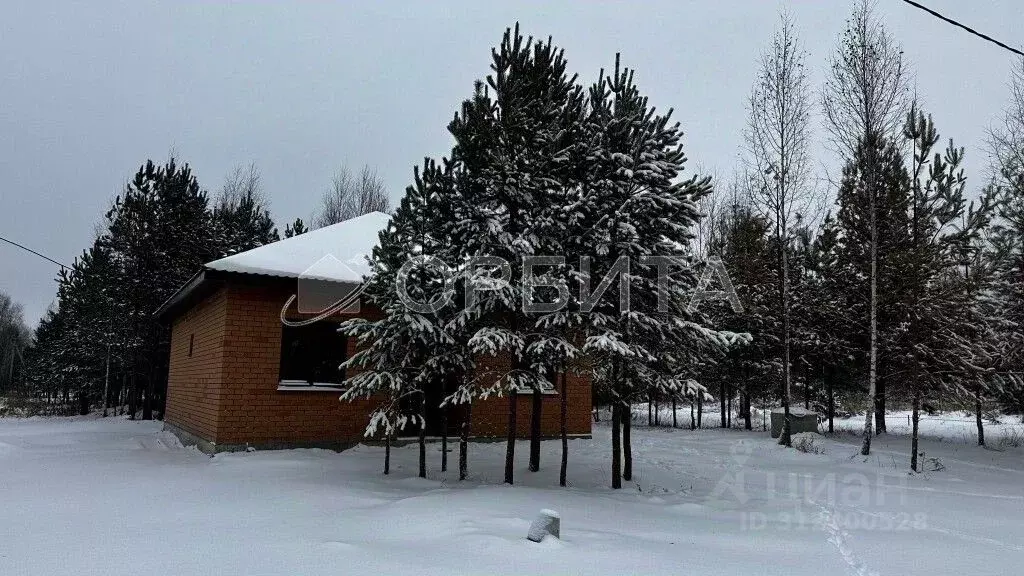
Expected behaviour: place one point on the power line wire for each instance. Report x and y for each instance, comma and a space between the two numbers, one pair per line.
27, 249
965, 27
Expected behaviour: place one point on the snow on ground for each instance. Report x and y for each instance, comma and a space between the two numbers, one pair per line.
948, 427
107, 497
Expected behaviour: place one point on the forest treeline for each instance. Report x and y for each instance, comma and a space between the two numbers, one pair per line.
897, 284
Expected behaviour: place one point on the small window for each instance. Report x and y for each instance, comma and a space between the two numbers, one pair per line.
191, 344
311, 356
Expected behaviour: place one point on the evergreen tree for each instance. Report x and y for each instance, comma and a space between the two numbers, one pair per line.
159, 236
645, 219
509, 143
401, 354
927, 352
872, 219
295, 228
242, 225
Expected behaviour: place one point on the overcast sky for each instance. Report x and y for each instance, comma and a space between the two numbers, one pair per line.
90, 90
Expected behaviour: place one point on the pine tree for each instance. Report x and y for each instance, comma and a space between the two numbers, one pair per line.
159, 236
644, 219
295, 228
927, 350
400, 356
508, 146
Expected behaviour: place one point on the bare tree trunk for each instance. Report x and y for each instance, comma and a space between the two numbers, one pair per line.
106, 385
873, 363
616, 445
464, 442
563, 412
700, 409
785, 438
510, 447
914, 465
387, 453
977, 414
728, 410
675, 423
721, 405
133, 396
807, 389
535, 415
831, 403
423, 435
747, 423
627, 444
693, 421
880, 407
444, 438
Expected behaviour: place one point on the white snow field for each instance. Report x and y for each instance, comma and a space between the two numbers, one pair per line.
109, 496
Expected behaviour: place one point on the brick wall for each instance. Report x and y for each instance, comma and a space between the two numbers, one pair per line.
490, 416
194, 379
252, 409
227, 392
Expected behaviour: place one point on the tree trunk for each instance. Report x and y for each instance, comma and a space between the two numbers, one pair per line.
728, 410
914, 465
563, 412
627, 443
650, 411
106, 385
721, 405
675, 423
880, 407
510, 447
831, 403
784, 438
873, 315
616, 446
133, 395
83, 402
387, 453
747, 423
700, 409
423, 435
535, 414
444, 438
807, 390
693, 420
464, 442
977, 414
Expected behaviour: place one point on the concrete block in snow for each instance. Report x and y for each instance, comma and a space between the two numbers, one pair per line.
547, 522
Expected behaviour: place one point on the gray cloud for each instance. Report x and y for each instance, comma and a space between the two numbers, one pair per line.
88, 91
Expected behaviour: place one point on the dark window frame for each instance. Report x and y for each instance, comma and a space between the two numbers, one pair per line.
310, 357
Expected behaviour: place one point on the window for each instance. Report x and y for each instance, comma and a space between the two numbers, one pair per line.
191, 343
311, 356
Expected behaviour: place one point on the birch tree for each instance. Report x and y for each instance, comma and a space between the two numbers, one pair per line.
863, 101
778, 142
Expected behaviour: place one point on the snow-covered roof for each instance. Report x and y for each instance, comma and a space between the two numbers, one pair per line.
335, 253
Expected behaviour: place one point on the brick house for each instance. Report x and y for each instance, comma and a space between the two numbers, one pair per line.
238, 377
